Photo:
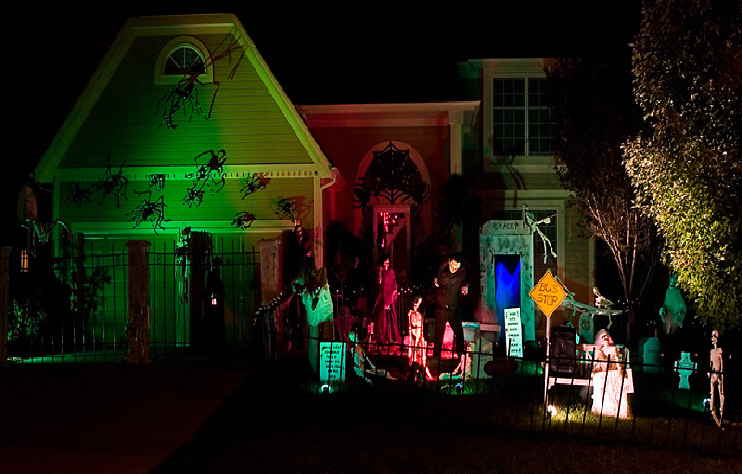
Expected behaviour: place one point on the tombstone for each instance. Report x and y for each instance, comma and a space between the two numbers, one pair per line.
650, 353
685, 367
332, 361
563, 353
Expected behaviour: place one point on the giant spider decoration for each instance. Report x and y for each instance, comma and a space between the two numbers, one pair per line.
115, 184
150, 211
286, 208
193, 197
80, 194
253, 182
209, 174
243, 219
185, 95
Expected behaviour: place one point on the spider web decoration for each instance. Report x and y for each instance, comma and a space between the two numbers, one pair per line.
393, 176
210, 175
243, 220
150, 211
184, 96
252, 183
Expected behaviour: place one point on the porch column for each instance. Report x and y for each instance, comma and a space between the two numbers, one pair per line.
4, 293
454, 126
138, 331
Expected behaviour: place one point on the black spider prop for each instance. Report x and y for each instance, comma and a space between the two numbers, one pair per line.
81, 194
243, 219
114, 184
150, 211
156, 182
253, 183
210, 174
184, 97
193, 197
286, 208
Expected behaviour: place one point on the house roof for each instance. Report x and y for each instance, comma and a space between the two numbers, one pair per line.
171, 26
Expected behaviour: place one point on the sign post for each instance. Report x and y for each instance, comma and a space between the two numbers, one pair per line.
548, 295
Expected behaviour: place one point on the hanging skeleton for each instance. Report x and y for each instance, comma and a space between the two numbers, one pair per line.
533, 224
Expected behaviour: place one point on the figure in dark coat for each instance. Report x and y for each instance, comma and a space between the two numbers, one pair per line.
450, 284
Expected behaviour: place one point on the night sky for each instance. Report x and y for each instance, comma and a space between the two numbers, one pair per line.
322, 55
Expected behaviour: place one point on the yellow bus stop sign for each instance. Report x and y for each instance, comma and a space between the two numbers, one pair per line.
548, 294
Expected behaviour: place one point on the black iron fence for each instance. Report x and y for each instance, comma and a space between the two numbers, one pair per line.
77, 309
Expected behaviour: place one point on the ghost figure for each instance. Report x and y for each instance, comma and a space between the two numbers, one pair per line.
672, 312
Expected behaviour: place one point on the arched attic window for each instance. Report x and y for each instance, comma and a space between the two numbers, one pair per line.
181, 57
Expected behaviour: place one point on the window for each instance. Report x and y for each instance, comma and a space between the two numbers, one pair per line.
522, 122
185, 59
182, 56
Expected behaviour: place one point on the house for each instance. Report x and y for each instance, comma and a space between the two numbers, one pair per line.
183, 127
500, 144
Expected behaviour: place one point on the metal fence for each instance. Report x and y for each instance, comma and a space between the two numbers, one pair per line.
76, 310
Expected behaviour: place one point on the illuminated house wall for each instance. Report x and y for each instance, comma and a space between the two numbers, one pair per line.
120, 115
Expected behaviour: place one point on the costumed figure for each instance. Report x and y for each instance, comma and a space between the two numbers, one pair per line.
716, 376
418, 348
611, 381
386, 324
450, 284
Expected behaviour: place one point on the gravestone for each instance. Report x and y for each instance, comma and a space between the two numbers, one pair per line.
685, 367
332, 361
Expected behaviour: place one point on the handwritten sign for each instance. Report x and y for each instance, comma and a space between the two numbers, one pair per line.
513, 333
332, 361
548, 294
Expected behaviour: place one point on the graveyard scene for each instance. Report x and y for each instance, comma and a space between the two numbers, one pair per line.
555, 251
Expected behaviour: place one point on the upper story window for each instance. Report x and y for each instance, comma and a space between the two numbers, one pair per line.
184, 60
183, 56
522, 121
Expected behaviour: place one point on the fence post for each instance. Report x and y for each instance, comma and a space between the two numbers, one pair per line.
4, 293
200, 252
138, 330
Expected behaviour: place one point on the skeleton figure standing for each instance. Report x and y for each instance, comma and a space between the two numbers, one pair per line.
716, 377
